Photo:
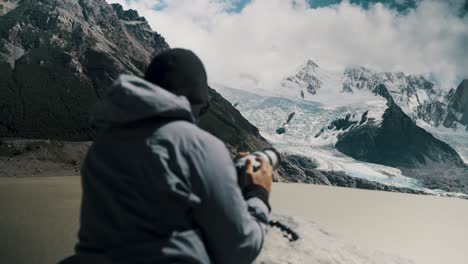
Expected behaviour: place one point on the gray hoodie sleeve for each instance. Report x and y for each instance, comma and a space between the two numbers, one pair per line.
233, 229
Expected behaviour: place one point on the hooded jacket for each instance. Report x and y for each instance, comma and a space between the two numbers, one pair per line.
158, 189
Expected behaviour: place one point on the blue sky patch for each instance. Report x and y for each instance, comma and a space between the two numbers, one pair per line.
400, 5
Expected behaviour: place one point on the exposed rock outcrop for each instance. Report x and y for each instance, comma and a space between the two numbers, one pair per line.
397, 141
227, 123
458, 107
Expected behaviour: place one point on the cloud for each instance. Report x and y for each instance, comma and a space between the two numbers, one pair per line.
268, 39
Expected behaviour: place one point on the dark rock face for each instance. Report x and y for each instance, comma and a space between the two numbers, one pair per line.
432, 112
128, 15
280, 130
290, 118
397, 142
451, 179
458, 106
295, 168
57, 56
345, 123
382, 90
226, 122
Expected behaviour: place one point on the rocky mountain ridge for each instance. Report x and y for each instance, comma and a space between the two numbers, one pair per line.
57, 56
458, 107
419, 98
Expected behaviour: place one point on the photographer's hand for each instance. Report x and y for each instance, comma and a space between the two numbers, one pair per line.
263, 176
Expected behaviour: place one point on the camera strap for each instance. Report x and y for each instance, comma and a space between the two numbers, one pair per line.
288, 233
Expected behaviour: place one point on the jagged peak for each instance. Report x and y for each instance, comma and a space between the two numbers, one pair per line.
464, 83
357, 68
312, 63
128, 15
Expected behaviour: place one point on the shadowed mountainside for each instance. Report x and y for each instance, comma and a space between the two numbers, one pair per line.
57, 56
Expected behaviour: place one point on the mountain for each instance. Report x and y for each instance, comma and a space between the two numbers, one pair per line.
361, 123
227, 123
416, 95
458, 107
396, 141
388, 134
56, 58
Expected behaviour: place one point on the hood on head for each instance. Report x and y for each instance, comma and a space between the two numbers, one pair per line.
132, 99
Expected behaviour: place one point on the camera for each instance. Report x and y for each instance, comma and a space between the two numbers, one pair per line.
270, 155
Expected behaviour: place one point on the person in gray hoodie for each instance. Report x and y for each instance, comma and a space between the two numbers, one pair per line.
156, 187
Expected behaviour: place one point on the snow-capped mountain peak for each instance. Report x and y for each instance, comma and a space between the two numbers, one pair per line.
311, 63
419, 97
309, 76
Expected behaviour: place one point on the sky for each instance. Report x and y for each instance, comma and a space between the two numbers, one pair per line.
246, 43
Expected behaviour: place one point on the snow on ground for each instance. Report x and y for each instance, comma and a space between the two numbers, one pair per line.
316, 245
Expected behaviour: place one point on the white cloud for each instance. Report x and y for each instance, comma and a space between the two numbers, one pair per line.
270, 38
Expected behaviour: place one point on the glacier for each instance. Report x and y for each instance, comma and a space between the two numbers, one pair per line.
315, 97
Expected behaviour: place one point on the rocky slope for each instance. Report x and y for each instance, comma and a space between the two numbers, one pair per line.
396, 141
458, 107
226, 122
55, 59
56, 56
